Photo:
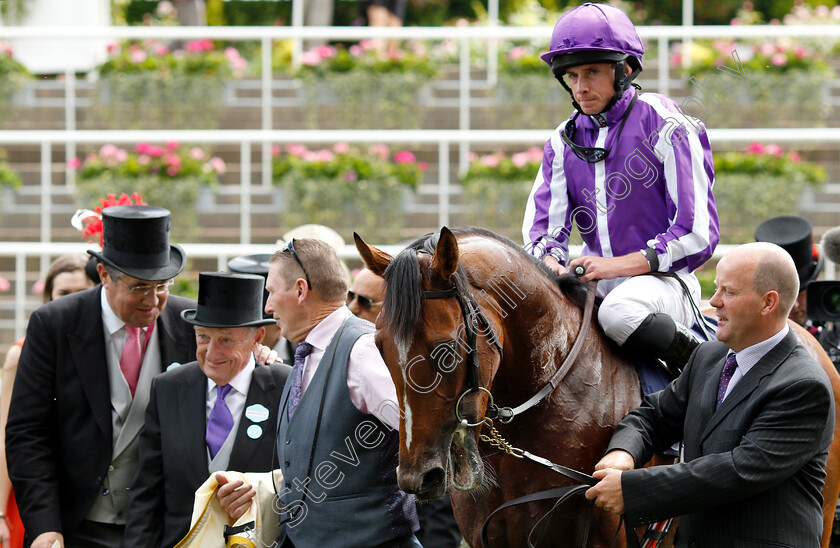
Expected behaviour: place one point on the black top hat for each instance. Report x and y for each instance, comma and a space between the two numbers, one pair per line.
253, 264
136, 242
793, 234
228, 300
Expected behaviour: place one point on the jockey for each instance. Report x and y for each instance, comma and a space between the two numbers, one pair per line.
635, 175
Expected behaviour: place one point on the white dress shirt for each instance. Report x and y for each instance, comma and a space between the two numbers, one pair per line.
749, 356
235, 399
369, 383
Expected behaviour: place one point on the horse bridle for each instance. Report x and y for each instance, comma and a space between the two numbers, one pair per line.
470, 309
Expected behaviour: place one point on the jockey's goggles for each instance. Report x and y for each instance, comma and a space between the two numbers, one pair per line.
591, 155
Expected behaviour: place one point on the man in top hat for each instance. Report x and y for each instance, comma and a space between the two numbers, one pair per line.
83, 384
213, 414
793, 234
259, 264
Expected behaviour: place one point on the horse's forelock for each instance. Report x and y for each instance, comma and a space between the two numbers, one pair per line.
402, 298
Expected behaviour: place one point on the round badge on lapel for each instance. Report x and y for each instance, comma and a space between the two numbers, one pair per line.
254, 432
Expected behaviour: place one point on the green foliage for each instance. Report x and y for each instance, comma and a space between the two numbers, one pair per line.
763, 182
347, 189
8, 176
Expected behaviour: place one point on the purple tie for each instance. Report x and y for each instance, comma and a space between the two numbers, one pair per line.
295, 392
219, 423
726, 376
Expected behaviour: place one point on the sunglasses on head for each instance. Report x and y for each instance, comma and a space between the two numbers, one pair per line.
290, 248
591, 155
364, 302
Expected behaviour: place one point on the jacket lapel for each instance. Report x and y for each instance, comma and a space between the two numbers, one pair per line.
262, 385
87, 352
171, 341
192, 404
750, 381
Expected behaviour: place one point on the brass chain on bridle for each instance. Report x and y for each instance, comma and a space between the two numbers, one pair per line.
494, 438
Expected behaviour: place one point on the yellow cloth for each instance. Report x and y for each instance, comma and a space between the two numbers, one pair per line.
208, 519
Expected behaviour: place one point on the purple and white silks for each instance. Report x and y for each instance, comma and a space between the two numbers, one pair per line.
654, 190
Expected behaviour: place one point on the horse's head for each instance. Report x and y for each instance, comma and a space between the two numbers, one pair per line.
424, 336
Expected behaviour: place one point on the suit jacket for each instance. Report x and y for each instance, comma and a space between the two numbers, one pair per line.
59, 435
754, 468
173, 453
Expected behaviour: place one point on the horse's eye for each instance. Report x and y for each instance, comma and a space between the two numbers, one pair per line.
445, 356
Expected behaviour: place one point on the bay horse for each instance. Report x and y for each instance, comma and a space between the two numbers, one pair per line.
524, 322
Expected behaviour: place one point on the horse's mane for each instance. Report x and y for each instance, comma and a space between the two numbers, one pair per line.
403, 278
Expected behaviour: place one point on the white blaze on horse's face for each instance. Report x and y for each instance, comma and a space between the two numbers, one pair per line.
406, 409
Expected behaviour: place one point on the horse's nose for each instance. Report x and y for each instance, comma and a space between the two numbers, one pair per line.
430, 485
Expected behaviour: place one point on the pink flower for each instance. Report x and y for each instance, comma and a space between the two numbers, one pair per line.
275, 150
380, 151
519, 159
172, 160
199, 46
108, 151
296, 150
196, 153
490, 160
91, 157
4, 284
351, 176
367, 45
748, 6
142, 148
112, 47
517, 53
472, 156
215, 164
172, 171
736, 21
800, 52
778, 59
74, 163
310, 156
325, 52
774, 150
172, 145
160, 49
144, 159
794, 156
768, 49
404, 157
325, 155
341, 148
310, 58
38, 287
155, 151
121, 155
535, 154
423, 166
356, 51
138, 56
462, 23
755, 148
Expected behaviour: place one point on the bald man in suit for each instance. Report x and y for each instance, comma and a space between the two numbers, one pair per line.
756, 414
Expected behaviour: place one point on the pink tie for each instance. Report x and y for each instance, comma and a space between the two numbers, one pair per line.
132, 357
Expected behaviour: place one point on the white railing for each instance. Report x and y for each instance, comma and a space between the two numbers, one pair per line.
247, 138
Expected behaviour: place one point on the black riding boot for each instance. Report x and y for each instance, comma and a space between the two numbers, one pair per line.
660, 337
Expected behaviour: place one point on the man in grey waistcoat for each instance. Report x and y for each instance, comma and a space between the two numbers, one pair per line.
337, 438
212, 414
83, 384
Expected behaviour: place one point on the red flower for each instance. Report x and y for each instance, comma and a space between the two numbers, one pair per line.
93, 224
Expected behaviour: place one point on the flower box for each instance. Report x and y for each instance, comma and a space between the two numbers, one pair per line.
147, 86
169, 176
763, 182
496, 188
346, 189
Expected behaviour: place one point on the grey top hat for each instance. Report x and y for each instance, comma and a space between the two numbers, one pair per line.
135, 241
253, 264
793, 234
228, 300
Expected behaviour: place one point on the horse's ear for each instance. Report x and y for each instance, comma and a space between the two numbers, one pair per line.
375, 259
445, 261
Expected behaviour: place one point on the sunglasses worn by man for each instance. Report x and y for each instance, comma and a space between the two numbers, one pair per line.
364, 302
